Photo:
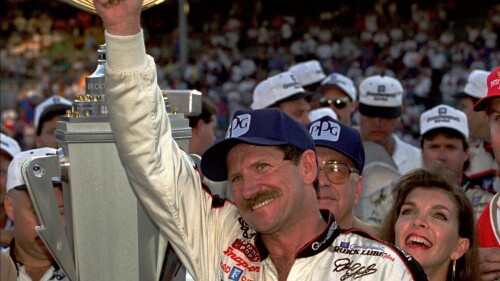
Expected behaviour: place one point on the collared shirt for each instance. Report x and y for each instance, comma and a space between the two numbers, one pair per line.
478, 196
53, 273
483, 167
406, 156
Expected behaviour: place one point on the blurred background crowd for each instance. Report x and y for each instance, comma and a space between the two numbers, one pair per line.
48, 48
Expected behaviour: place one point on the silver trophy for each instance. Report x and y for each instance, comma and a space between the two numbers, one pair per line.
88, 5
108, 234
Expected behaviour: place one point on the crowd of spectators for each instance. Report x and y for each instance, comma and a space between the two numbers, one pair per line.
48, 49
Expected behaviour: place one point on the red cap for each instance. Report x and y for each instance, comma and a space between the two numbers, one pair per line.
493, 83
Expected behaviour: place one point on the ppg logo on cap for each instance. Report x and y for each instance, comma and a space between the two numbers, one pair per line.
239, 126
325, 130
261, 127
442, 110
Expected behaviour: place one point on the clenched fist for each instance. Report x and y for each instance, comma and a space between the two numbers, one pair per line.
120, 17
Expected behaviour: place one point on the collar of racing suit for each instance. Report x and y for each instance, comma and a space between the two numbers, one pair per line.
313, 247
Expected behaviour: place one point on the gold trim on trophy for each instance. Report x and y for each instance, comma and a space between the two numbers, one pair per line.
88, 5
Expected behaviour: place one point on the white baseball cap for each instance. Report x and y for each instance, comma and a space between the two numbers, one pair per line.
444, 116
380, 96
343, 82
476, 86
320, 112
52, 104
308, 72
9, 145
14, 174
280, 87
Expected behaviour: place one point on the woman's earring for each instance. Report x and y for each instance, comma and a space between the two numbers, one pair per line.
453, 270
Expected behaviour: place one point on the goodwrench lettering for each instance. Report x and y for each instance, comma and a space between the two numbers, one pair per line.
315, 246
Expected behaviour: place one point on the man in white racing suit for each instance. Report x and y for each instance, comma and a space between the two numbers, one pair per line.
274, 229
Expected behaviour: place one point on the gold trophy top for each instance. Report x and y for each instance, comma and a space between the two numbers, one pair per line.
88, 5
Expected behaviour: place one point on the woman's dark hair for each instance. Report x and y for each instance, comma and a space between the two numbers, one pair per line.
467, 266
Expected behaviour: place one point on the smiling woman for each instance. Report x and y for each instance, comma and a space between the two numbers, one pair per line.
433, 220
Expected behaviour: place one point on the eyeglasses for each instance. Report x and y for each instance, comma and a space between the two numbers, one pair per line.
337, 172
339, 103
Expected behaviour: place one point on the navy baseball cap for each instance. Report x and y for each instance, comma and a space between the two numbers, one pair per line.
330, 133
263, 127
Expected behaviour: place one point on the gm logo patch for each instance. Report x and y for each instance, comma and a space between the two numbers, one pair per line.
344, 245
235, 274
381, 89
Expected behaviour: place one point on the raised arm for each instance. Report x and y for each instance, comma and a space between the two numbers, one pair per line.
161, 174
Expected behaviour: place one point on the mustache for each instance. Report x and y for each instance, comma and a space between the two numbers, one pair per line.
258, 198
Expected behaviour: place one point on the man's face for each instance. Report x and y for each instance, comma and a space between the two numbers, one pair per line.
449, 152
204, 134
271, 194
297, 110
46, 137
340, 199
21, 211
476, 120
377, 129
344, 107
494, 121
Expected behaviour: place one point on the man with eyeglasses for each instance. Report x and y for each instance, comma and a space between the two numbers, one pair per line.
380, 106
341, 160
339, 93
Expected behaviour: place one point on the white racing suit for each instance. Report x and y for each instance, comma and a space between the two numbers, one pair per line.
210, 238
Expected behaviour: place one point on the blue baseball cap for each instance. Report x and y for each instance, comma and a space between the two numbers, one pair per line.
330, 133
263, 127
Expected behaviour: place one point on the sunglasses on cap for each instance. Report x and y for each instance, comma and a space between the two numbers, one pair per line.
339, 103
337, 172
